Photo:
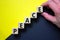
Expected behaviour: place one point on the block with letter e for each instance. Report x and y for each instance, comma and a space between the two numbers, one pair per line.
21, 26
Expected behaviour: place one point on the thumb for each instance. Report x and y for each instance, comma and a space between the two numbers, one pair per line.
49, 17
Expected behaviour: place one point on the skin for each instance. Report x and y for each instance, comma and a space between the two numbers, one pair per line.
55, 6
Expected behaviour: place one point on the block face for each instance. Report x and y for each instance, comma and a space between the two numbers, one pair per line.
40, 9
21, 25
27, 20
34, 15
15, 31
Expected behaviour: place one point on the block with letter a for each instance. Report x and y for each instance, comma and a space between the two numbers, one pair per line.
15, 31
27, 20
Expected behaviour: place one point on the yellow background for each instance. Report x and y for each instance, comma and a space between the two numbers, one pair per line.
14, 11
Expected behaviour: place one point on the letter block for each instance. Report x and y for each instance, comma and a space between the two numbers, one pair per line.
34, 15
15, 31
28, 20
21, 25
40, 9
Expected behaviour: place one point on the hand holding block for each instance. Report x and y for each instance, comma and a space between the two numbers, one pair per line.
15, 31
21, 25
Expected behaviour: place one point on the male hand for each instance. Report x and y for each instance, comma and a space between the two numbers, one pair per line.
55, 6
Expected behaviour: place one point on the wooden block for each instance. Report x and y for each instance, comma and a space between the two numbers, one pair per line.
21, 25
15, 31
34, 15
27, 20
40, 9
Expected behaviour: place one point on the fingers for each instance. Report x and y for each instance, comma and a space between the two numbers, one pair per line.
52, 5
57, 1
49, 17
55, 6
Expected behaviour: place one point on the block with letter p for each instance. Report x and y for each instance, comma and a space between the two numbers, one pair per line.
15, 31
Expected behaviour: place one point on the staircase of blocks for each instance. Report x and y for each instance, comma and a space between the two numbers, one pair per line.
21, 26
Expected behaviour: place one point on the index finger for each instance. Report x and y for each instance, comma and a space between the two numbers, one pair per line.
52, 5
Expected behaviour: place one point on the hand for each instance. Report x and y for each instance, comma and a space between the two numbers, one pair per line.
55, 6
